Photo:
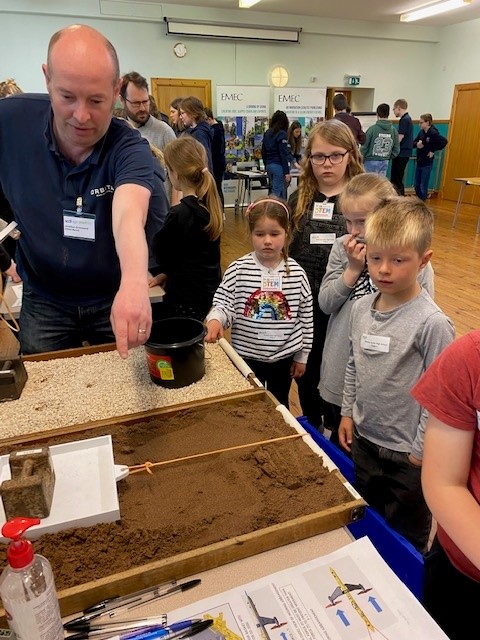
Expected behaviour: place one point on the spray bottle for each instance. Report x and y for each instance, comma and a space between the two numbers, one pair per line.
27, 588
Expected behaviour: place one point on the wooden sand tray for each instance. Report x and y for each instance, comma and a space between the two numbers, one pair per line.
210, 509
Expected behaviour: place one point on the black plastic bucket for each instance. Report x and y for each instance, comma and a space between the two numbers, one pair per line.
175, 352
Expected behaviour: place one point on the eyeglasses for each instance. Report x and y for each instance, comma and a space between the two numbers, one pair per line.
335, 158
136, 104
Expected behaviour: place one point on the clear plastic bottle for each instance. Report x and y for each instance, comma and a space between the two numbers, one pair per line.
27, 588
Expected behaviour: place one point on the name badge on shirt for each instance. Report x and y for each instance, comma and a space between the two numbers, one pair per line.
271, 282
478, 420
79, 226
268, 334
322, 238
322, 211
375, 343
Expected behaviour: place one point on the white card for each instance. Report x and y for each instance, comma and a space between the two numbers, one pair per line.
78, 227
375, 343
322, 238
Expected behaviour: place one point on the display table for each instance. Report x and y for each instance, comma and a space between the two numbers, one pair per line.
246, 180
465, 182
241, 571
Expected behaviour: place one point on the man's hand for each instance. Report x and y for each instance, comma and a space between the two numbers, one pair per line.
345, 433
214, 331
131, 317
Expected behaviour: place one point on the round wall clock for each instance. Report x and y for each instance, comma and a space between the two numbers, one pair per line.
179, 49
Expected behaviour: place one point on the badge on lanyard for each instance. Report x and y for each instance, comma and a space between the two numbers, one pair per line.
271, 282
78, 225
323, 210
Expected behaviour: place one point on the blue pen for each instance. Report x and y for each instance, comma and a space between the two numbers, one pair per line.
173, 630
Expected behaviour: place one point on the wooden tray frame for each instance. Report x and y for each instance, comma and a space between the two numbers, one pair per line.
77, 598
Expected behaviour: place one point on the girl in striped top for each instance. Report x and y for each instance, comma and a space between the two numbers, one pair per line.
266, 299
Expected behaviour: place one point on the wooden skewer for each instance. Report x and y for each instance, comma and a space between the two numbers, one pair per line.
147, 465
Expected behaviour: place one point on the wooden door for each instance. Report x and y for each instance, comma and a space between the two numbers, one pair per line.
462, 158
164, 90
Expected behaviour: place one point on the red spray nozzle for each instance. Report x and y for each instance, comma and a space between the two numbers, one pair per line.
20, 551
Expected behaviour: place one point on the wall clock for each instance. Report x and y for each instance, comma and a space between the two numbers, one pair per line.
180, 50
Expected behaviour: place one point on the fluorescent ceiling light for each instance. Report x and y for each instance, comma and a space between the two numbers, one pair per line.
433, 9
230, 31
246, 4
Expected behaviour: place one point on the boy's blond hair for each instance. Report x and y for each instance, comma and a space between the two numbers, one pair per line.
401, 222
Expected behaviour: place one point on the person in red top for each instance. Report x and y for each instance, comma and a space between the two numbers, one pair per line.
450, 391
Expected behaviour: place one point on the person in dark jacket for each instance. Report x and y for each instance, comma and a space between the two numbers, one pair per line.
428, 140
295, 141
218, 151
277, 154
405, 137
187, 247
342, 113
194, 118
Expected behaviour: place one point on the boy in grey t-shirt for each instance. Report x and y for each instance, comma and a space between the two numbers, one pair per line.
394, 336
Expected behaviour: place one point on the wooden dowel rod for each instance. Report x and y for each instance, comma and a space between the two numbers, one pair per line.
138, 467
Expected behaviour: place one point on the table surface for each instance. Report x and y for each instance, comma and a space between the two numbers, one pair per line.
473, 181
240, 572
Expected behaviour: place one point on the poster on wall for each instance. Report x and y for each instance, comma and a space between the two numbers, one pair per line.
243, 111
305, 105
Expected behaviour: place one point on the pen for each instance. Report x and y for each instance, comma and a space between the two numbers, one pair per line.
168, 633
113, 608
107, 632
104, 604
132, 623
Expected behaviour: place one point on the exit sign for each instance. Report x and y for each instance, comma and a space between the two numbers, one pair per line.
353, 81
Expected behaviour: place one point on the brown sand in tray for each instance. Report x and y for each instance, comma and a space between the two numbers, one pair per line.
190, 504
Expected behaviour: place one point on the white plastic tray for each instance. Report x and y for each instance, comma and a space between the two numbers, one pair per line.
85, 489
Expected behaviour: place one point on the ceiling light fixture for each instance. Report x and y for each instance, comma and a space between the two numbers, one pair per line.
433, 9
246, 4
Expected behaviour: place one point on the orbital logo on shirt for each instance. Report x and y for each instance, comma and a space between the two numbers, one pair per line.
102, 191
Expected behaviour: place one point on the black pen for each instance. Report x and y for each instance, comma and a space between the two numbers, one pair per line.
114, 607
104, 604
131, 623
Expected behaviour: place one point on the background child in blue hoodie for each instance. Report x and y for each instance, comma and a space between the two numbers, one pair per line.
277, 154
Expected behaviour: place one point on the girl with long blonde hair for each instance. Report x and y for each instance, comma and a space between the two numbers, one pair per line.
187, 248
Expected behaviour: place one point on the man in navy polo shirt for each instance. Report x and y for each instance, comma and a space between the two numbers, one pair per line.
79, 184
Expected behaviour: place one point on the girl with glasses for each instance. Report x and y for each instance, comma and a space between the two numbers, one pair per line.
331, 159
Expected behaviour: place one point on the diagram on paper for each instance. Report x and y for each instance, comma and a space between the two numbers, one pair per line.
349, 595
